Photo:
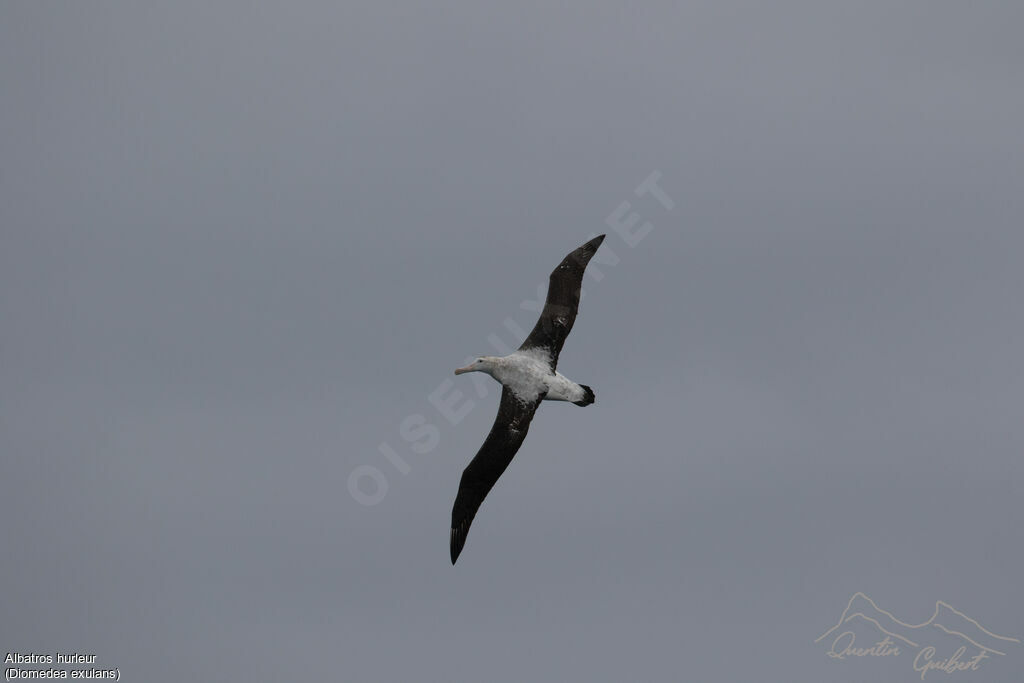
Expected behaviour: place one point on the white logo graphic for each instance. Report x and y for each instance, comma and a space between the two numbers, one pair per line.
949, 642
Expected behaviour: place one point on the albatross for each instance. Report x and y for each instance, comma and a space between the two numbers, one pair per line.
527, 376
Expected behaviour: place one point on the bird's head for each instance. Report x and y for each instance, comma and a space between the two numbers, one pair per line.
481, 364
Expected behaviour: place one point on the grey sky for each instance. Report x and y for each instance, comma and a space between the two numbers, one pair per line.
241, 243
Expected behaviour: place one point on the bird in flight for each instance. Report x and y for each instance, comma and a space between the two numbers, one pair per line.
527, 376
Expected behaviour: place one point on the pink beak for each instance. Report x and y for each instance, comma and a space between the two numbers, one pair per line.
468, 368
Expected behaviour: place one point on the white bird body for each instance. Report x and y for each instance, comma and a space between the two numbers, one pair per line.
528, 374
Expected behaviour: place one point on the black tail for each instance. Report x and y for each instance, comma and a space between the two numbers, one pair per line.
588, 396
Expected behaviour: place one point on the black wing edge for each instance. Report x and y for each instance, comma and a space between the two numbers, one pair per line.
563, 302
500, 446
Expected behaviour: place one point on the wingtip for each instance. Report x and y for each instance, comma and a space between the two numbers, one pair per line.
455, 543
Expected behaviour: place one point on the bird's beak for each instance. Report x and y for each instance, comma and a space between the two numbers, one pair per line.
468, 368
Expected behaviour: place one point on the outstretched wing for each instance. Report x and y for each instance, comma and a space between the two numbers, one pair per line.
507, 434
563, 301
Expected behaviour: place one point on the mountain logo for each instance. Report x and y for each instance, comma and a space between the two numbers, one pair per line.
949, 641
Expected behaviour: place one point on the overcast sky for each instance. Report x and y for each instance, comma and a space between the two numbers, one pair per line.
243, 245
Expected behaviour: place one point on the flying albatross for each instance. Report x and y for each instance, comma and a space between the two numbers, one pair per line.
527, 376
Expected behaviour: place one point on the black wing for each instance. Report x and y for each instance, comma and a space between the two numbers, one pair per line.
499, 448
563, 301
